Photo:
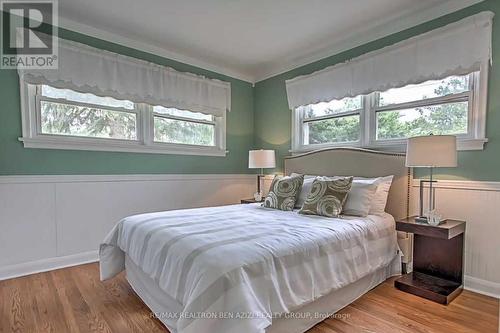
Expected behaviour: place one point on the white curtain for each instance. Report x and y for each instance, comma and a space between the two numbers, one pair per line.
87, 69
456, 49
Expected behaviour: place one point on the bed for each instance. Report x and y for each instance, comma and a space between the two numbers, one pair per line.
252, 269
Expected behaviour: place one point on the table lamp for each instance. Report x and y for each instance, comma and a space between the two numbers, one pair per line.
261, 159
433, 151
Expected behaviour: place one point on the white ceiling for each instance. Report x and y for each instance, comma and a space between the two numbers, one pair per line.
248, 39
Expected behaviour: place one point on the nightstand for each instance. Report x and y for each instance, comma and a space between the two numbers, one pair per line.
248, 201
437, 260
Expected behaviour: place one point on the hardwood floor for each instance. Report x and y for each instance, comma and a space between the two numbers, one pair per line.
74, 300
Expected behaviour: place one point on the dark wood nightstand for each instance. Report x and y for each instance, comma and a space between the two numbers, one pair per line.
437, 260
248, 201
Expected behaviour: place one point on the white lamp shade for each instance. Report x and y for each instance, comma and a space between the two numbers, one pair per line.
432, 151
261, 159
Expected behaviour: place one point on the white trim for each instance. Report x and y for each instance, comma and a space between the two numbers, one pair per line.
474, 139
30, 179
33, 138
462, 185
481, 286
364, 35
70, 143
49, 264
400, 145
152, 49
392, 146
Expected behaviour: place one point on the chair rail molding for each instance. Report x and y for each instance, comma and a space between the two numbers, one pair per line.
462, 185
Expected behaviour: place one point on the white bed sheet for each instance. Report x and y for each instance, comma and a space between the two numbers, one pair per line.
245, 261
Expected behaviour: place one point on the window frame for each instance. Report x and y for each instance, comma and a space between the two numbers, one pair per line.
473, 140
32, 136
216, 122
355, 112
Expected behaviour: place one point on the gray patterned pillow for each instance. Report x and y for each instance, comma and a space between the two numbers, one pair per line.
327, 196
283, 192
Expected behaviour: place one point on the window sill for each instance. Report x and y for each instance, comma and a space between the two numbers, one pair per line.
398, 146
71, 143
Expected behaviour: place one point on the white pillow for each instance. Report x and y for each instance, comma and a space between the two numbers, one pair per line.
360, 197
306, 188
379, 200
358, 201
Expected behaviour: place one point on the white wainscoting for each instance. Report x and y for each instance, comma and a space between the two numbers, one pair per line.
49, 222
478, 203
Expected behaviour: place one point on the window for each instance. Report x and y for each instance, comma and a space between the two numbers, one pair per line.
453, 105
66, 119
438, 107
180, 126
66, 112
332, 122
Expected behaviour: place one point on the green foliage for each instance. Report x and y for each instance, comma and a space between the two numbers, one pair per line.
177, 131
448, 118
436, 119
66, 119
345, 129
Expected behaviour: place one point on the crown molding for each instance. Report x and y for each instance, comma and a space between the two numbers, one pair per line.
364, 35
153, 49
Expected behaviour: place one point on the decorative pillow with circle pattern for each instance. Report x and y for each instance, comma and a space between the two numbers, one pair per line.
283, 192
327, 196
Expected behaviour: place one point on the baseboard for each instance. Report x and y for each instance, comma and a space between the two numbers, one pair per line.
482, 286
38, 266
8, 272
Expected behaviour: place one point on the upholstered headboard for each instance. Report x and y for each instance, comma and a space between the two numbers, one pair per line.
361, 163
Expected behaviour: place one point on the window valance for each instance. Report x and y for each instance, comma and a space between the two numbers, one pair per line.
87, 69
456, 49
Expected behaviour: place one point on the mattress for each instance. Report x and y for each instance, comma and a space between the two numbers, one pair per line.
246, 264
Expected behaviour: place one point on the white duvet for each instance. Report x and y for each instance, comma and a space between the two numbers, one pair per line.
246, 262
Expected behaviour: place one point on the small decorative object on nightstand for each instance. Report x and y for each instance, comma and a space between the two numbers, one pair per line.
437, 260
249, 201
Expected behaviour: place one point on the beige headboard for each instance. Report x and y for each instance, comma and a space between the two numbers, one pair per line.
361, 163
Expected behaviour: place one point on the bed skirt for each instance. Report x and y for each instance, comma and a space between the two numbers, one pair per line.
165, 308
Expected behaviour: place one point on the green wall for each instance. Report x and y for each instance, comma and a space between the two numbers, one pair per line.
259, 118
273, 118
17, 160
